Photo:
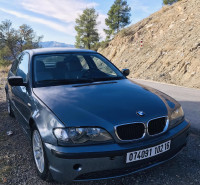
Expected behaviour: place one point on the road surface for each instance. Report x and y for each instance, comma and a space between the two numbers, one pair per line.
188, 97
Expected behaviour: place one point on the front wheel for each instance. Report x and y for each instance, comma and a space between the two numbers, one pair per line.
40, 156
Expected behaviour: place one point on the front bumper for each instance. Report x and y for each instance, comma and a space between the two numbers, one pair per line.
96, 162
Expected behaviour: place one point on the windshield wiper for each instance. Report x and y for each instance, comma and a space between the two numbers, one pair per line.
108, 78
76, 81
65, 81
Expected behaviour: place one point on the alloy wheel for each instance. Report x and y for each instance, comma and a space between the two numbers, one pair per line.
38, 151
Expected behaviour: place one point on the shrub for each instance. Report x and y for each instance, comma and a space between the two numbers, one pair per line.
169, 2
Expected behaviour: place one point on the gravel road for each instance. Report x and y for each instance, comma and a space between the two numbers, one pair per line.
17, 167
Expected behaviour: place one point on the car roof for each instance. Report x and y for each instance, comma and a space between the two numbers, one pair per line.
58, 50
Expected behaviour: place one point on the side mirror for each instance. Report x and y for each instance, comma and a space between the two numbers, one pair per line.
125, 72
16, 81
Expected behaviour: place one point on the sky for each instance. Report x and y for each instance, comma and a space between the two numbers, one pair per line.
55, 19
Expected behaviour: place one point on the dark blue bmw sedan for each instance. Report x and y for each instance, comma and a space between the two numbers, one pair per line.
86, 120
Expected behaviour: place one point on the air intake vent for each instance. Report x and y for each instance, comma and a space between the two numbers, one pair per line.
157, 126
130, 131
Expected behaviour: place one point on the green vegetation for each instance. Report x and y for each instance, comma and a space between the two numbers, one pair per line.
13, 41
87, 33
124, 32
118, 17
103, 44
169, 2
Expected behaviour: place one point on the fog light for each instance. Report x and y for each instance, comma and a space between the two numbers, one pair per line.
77, 167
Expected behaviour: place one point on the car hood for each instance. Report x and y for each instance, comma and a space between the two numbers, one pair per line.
104, 103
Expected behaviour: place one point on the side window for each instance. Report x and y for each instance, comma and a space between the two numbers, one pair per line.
103, 67
22, 69
83, 62
15, 64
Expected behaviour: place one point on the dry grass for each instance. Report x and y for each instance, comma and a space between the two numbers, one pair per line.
4, 71
125, 32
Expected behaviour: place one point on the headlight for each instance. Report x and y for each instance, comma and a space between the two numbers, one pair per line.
176, 116
81, 135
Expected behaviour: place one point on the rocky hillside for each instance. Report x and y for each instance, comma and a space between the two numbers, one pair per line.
170, 50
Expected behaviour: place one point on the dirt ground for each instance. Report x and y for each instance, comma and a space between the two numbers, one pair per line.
17, 166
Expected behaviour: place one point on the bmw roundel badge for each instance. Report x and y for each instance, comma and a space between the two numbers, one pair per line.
140, 113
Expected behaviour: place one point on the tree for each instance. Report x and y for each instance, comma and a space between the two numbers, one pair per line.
13, 41
5, 56
8, 37
169, 2
87, 33
28, 38
118, 17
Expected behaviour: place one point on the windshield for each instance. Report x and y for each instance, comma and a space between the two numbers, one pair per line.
58, 69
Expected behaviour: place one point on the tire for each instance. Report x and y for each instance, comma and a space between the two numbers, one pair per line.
39, 156
9, 107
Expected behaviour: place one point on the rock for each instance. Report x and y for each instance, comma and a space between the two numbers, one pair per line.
9, 133
174, 30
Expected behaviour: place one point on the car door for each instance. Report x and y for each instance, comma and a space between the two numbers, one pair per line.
21, 94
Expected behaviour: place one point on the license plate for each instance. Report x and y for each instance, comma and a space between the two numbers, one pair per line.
148, 152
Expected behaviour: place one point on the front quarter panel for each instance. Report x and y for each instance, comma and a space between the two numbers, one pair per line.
45, 121
170, 103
